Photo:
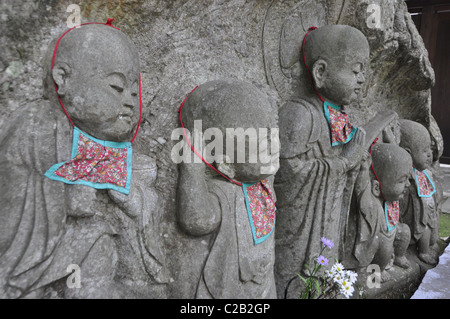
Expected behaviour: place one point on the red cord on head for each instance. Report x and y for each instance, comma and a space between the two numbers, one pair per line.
194, 150
108, 23
373, 169
304, 61
140, 111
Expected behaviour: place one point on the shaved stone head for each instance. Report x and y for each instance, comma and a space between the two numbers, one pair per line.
335, 42
96, 70
416, 140
393, 166
337, 57
237, 110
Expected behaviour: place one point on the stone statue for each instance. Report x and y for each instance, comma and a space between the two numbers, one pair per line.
320, 150
47, 226
378, 191
419, 209
219, 201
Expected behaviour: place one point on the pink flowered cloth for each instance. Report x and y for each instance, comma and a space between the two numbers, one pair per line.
262, 208
341, 129
424, 186
392, 214
96, 163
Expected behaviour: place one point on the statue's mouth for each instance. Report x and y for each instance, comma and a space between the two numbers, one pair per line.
125, 116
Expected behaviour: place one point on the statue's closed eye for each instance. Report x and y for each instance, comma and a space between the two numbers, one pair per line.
116, 87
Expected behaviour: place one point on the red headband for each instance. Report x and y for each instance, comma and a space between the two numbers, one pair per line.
373, 169
304, 61
108, 23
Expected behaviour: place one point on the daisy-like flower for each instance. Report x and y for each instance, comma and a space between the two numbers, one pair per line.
338, 278
338, 268
330, 273
327, 242
347, 291
351, 276
321, 260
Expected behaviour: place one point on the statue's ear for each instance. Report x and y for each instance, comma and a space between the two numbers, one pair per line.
376, 190
407, 149
60, 73
227, 169
319, 72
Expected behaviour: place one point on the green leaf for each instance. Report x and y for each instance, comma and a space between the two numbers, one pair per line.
304, 280
317, 287
307, 267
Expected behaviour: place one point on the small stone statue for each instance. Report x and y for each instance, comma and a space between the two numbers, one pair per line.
378, 190
419, 205
228, 203
320, 149
84, 214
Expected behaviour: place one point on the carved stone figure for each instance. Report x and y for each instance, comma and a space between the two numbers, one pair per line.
229, 204
315, 163
419, 206
47, 225
378, 190
127, 242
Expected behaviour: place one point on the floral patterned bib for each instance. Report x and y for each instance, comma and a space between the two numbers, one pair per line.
392, 213
260, 208
424, 184
95, 163
341, 129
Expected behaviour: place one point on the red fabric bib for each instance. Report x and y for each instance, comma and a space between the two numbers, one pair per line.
392, 213
260, 208
425, 187
341, 129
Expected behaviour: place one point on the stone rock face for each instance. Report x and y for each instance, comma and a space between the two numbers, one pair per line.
182, 44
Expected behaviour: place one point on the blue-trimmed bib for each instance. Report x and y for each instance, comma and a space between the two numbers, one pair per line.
341, 129
260, 208
424, 184
392, 214
95, 163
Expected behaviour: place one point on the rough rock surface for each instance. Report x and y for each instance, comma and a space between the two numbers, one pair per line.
184, 43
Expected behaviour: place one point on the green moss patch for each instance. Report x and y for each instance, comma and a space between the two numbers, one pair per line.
444, 229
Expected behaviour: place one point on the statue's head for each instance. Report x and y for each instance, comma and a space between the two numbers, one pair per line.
242, 117
337, 57
96, 70
415, 139
392, 166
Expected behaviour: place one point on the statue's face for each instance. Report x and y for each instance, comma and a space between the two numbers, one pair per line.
106, 100
393, 186
254, 157
421, 153
101, 91
260, 161
344, 79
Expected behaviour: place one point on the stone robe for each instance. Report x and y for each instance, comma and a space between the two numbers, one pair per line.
313, 188
47, 225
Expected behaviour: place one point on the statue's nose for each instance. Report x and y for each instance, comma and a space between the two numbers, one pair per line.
129, 99
361, 78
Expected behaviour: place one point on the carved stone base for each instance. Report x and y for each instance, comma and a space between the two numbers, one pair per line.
402, 284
